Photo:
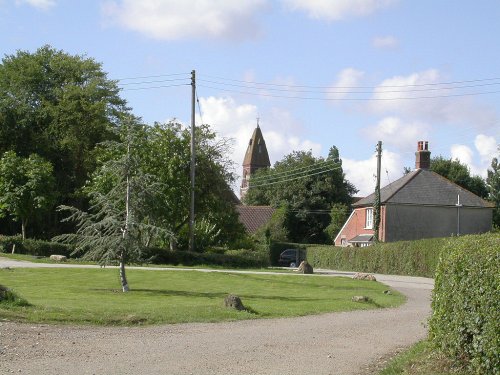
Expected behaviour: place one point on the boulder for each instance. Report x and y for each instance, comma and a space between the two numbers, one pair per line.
305, 267
360, 299
364, 276
233, 302
58, 258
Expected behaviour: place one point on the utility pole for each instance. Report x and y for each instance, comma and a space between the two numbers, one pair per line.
376, 204
458, 205
193, 164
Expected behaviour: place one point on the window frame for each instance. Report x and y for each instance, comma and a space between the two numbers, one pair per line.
369, 218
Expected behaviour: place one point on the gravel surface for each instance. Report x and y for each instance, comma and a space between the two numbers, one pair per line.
334, 343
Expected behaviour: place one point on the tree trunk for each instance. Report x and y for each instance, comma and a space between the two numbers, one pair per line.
123, 277
173, 244
24, 222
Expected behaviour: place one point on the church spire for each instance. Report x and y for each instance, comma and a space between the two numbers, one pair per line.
256, 157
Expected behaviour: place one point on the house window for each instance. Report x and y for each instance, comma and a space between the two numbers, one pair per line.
369, 218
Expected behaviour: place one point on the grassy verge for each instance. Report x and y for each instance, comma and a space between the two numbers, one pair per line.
92, 296
422, 359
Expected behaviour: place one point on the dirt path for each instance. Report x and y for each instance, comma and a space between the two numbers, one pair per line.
335, 343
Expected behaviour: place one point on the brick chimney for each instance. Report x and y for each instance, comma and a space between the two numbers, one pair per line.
422, 156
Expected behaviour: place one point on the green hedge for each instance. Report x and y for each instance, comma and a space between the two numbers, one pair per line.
412, 258
230, 258
33, 247
465, 321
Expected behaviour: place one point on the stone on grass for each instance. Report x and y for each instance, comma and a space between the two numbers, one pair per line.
233, 302
305, 267
360, 299
58, 258
364, 276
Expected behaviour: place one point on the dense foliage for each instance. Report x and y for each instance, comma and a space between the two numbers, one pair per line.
33, 247
465, 322
59, 107
460, 174
26, 187
493, 184
412, 258
307, 187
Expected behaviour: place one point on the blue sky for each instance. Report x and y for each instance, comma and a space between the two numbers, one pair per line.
359, 71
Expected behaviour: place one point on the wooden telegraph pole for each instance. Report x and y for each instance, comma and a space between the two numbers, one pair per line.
376, 203
193, 164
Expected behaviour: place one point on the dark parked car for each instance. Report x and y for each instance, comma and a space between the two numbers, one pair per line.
291, 257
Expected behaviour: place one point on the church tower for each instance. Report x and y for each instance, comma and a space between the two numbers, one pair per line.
256, 157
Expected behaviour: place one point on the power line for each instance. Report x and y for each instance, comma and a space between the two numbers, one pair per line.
155, 87
355, 87
334, 90
287, 172
291, 179
350, 99
153, 76
199, 108
155, 81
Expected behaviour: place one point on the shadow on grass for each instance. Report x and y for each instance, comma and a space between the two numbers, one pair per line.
183, 293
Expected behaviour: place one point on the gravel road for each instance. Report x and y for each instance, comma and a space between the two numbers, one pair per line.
334, 343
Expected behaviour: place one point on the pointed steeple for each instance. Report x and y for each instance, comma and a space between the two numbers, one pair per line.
256, 157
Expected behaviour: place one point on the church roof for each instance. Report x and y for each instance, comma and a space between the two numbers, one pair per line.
254, 217
256, 154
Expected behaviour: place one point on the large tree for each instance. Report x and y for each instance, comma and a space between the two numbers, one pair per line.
460, 174
164, 152
58, 106
308, 186
26, 187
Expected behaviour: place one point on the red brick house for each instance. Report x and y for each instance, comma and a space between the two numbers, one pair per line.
422, 204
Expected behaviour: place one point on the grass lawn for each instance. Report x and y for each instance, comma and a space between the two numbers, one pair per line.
93, 296
422, 359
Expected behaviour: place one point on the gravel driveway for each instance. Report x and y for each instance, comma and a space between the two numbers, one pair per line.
334, 343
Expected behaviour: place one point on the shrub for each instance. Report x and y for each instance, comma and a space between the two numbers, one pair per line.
242, 258
33, 247
465, 322
413, 258
10, 298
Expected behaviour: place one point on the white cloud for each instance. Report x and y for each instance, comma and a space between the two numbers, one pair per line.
346, 80
362, 173
385, 42
40, 4
334, 10
394, 132
180, 19
281, 131
486, 147
402, 95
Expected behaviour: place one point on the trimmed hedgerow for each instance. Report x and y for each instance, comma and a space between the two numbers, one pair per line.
412, 258
465, 322
230, 258
33, 247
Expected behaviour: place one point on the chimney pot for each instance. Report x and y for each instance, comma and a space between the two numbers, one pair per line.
423, 155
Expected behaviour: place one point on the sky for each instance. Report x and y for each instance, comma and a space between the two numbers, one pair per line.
317, 73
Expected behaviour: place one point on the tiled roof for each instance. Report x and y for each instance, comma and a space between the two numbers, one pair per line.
424, 187
254, 217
